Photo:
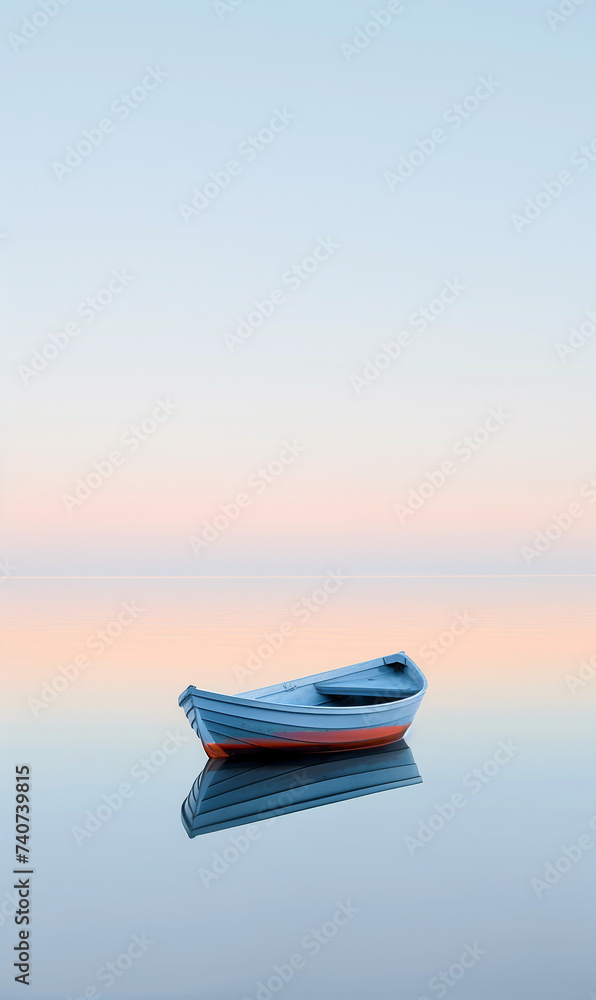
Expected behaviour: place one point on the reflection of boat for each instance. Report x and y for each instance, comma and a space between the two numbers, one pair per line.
238, 791
366, 704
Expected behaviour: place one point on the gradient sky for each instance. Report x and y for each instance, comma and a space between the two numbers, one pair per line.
347, 458
322, 176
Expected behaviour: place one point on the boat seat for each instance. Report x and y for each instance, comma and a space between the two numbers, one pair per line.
380, 682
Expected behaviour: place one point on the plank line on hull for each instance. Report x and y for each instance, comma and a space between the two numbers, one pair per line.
220, 725
226, 739
247, 723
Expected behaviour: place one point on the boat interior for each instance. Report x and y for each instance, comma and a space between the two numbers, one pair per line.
391, 680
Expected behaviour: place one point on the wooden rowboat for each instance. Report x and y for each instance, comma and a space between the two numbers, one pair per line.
243, 790
364, 705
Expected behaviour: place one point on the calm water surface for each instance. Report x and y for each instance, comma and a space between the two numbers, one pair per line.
435, 888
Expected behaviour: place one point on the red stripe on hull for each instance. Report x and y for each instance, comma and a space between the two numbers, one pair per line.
311, 742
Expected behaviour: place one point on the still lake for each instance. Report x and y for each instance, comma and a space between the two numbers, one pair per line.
471, 882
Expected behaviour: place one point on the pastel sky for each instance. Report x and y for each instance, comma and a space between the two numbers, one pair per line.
343, 122
293, 288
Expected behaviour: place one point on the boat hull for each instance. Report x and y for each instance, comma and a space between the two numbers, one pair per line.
230, 725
